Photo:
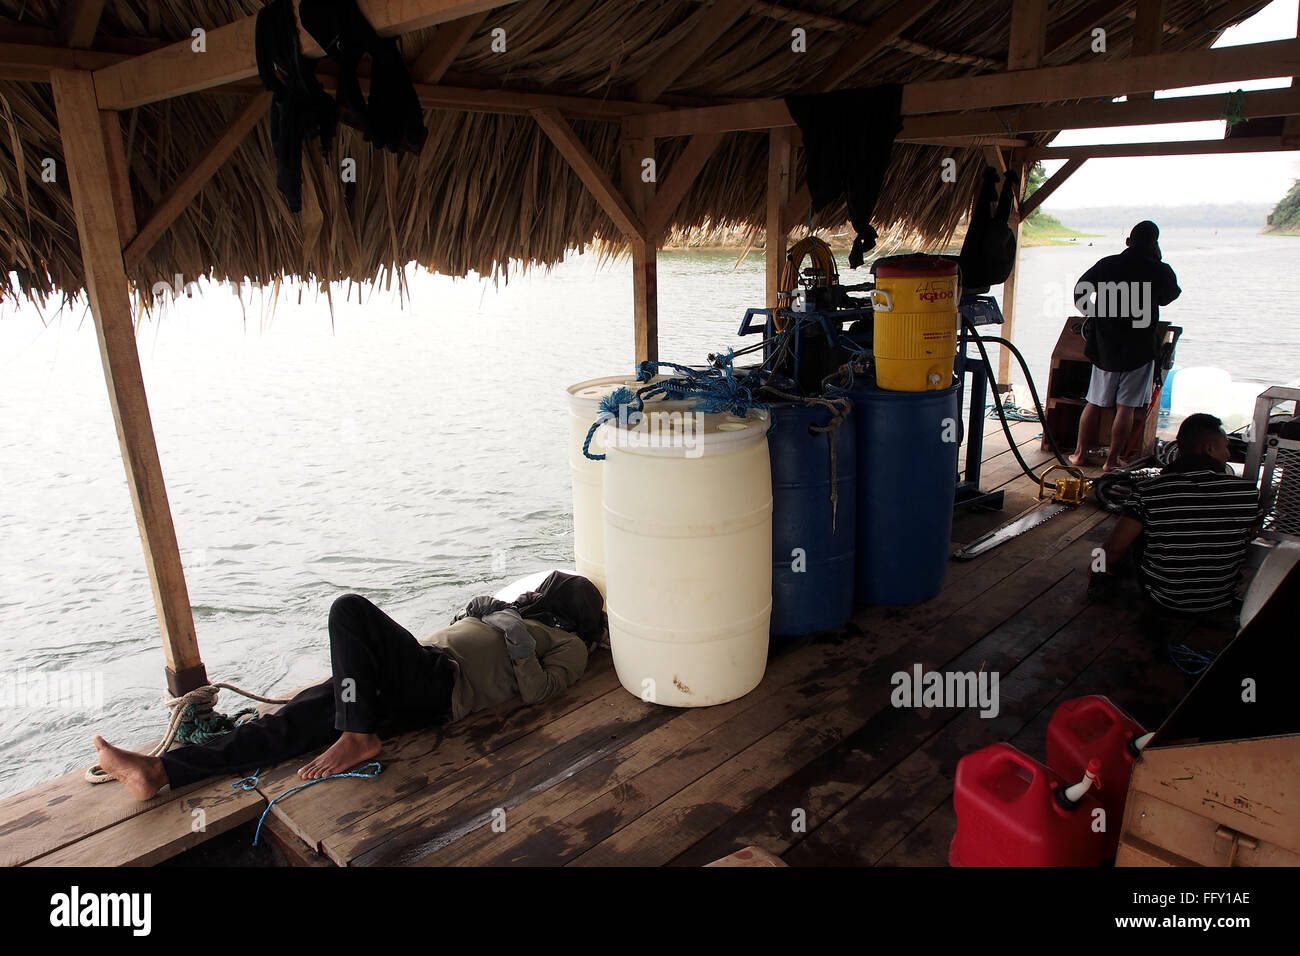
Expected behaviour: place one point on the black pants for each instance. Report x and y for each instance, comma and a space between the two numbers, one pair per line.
384, 682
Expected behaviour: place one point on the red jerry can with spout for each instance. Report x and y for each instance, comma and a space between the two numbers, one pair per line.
1014, 811
1093, 727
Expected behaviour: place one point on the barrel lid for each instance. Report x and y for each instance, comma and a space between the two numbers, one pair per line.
675, 432
897, 267
585, 397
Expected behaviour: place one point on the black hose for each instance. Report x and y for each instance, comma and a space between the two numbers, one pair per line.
997, 400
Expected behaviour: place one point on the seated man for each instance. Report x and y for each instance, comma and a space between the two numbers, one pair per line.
1188, 527
385, 682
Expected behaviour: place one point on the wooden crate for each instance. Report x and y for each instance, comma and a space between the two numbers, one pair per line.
1219, 785
1067, 387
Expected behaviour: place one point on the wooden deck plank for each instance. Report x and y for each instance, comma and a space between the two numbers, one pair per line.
676, 823
416, 761
68, 809
161, 833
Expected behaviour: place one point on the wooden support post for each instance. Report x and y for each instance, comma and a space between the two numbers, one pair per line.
778, 195
88, 169
1024, 52
1009, 288
639, 195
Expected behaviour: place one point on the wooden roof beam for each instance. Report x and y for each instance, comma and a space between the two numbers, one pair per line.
80, 22
1160, 71
874, 37
32, 63
1028, 34
1148, 34
1195, 147
231, 55
1098, 114
706, 27
179, 196
593, 177
448, 41
1044, 191
1107, 78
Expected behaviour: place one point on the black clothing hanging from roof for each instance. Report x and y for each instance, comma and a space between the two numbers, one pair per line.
848, 136
391, 118
989, 250
300, 107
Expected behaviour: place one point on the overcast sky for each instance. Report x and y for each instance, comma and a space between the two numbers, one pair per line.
1186, 180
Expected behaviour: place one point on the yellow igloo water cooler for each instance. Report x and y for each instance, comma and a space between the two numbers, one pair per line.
915, 319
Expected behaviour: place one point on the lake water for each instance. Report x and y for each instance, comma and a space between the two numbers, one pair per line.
415, 455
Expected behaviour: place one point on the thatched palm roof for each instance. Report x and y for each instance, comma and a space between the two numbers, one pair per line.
491, 190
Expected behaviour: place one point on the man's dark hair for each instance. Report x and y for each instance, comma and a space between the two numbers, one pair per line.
1144, 235
1197, 431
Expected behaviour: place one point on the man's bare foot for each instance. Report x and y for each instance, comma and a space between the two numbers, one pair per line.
1079, 461
143, 775
344, 754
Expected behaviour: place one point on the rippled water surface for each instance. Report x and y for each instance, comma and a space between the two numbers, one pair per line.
415, 454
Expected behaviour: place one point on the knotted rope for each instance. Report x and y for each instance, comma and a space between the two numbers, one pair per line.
193, 721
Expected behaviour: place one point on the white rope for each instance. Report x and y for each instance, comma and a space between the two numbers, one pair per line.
205, 695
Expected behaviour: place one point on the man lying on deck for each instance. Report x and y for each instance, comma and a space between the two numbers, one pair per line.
386, 682
1187, 529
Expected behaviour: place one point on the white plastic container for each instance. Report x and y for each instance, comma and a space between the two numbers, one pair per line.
588, 533
688, 555
587, 475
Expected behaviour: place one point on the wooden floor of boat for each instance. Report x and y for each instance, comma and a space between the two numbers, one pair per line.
814, 765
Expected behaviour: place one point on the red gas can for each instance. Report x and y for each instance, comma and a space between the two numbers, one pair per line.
1014, 811
1088, 728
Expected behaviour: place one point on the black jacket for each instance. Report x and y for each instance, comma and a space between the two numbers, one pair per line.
1123, 295
567, 601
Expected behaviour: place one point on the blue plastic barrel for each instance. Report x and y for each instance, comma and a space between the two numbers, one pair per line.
907, 477
812, 543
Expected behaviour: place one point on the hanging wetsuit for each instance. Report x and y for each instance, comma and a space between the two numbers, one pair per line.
300, 107
848, 136
391, 118
989, 251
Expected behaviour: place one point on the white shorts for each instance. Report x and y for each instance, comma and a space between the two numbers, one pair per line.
1123, 388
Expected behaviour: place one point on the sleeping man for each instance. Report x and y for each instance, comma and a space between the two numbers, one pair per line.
386, 682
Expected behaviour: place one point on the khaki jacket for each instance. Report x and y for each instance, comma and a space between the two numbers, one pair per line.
486, 676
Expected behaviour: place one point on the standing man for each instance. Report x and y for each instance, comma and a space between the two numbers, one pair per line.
1122, 296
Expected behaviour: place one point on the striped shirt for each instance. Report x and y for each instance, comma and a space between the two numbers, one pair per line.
1197, 524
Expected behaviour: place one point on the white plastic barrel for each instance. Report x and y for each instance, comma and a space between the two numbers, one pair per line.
588, 534
688, 555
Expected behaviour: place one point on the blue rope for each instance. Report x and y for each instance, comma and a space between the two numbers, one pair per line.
251, 782
1189, 660
716, 389
610, 408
